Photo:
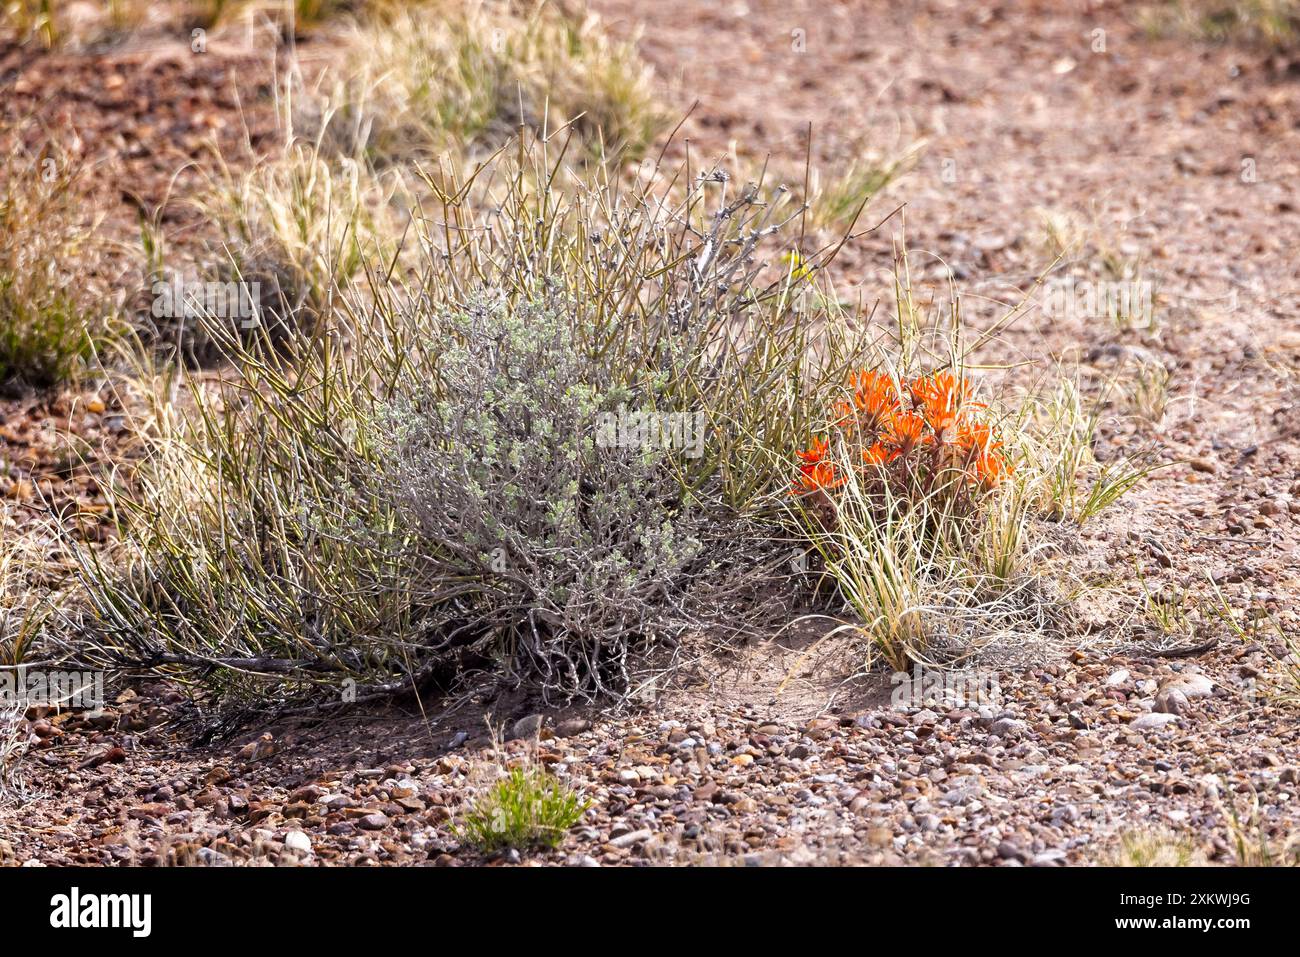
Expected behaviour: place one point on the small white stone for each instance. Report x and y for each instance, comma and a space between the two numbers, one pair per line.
1149, 722
1192, 685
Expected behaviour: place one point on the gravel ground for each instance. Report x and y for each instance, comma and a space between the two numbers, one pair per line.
1055, 770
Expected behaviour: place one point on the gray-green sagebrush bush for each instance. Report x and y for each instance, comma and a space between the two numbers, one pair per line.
584, 545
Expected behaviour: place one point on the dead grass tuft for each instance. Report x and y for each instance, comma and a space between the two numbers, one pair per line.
466, 77
50, 321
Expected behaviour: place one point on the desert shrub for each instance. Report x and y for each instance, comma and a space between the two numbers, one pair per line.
421, 491
466, 76
527, 807
689, 294
585, 549
470, 515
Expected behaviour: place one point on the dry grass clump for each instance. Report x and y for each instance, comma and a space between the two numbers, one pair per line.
22, 608
447, 79
290, 235
49, 320
23, 611
1156, 848
13, 748
418, 81
1271, 24
834, 200
34, 20
1253, 841
68, 25
1260, 627
1058, 430
828, 199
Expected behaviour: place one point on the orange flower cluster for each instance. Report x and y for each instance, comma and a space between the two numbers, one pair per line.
926, 436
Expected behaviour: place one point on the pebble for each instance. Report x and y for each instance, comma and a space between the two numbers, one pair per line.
1171, 701
1004, 727
208, 857
1009, 851
1152, 721
1052, 858
307, 794
631, 837
1190, 685
571, 727
527, 727
959, 796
